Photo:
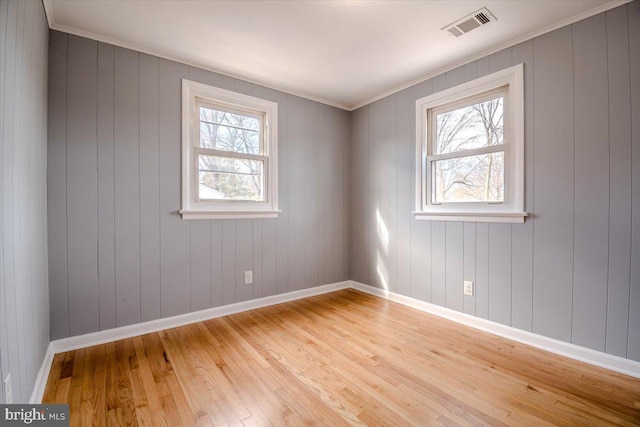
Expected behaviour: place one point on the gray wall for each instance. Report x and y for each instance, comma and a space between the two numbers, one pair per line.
24, 309
572, 271
118, 251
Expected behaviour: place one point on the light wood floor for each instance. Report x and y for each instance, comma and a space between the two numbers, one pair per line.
336, 359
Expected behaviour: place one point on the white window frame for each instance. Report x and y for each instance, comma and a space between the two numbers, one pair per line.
508, 82
195, 95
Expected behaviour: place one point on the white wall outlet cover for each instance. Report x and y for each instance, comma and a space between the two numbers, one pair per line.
468, 288
248, 277
8, 393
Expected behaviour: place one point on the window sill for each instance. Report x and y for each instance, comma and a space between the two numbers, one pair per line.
507, 217
228, 214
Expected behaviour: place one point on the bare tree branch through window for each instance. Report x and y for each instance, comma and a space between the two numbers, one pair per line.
470, 178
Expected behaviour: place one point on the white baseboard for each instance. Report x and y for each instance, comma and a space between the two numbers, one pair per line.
614, 363
123, 332
587, 355
43, 376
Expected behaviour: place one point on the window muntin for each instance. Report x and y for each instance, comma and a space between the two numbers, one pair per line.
470, 150
229, 154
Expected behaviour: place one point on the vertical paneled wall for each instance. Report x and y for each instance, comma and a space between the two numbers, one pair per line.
572, 271
120, 253
24, 308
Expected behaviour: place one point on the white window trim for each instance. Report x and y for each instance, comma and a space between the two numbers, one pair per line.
193, 94
512, 210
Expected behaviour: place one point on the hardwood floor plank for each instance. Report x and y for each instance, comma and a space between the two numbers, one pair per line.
144, 380
75, 388
112, 396
175, 409
54, 375
205, 411
62, 391
99, 385
87, 389
126, 411
344, 358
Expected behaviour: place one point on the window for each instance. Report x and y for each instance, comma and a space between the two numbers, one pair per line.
229, 154
470, 151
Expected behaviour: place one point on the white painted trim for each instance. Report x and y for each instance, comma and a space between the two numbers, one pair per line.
469, 93
584, 15
43, 376
229, 214
195, 94
505, 217
48, 11
587, 355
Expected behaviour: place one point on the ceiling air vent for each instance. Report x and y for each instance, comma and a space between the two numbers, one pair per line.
471, 22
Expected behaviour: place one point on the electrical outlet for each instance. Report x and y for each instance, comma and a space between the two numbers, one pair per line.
468, 288
8, 393
248, 277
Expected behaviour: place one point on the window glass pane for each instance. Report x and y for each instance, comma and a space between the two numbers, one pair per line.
469, 179
223, 130
474, 126
226, 178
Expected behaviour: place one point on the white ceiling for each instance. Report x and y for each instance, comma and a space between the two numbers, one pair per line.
343, 53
